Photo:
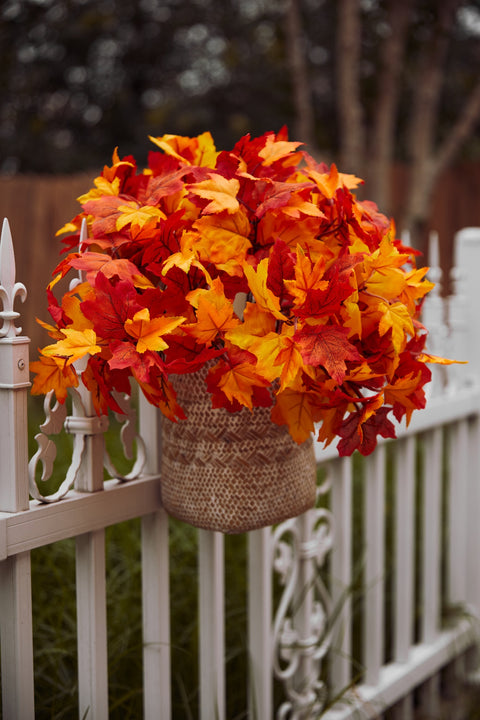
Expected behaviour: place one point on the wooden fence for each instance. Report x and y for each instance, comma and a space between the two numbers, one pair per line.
413, 574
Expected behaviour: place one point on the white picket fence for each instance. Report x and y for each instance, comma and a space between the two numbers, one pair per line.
304, 638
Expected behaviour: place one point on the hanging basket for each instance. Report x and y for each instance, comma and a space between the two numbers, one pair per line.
231, 472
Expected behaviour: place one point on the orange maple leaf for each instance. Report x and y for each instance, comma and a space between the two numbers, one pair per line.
293, 407
238, 383
215, 313
52, 374
149, 332
308, 276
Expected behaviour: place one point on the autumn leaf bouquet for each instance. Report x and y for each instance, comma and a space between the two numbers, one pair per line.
257, 264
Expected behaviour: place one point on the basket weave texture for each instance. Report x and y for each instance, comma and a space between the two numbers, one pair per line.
231, 472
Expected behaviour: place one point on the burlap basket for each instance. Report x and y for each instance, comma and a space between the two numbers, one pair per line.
231, 472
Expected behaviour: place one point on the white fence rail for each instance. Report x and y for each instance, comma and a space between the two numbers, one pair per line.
366, 536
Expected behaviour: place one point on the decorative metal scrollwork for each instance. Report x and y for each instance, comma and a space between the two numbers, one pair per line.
302, 631
80, 425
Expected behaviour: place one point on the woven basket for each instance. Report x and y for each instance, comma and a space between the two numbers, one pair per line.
231, 472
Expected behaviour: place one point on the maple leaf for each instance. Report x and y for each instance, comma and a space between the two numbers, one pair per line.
331, 181
360, 434
93, 262
215, 313
308, 277
281, 267
257, 282
427, 358
192, 151
100, 380
185, 355
112, 304
52, 374
149, 331
223, 239
416, 288
291, 362
75, 345
276, 150
396, 317
293, 407
327, 346
238, 381
103, 186
136, 216
256, 326
405, 395
221, 192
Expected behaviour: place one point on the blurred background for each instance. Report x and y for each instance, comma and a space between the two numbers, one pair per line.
387, 89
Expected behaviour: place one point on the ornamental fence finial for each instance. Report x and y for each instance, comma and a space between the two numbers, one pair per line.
9, 289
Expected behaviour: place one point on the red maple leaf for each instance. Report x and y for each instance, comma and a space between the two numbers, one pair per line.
327, 346
362, 436
113, 304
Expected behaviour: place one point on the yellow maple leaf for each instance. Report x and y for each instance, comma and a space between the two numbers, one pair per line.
138, 215
383, 270
149, 331
220, 191
75, 345
102, 187
396, 317
416, 287
192, 151
257, 282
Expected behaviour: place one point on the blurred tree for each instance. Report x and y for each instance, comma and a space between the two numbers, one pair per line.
424, 43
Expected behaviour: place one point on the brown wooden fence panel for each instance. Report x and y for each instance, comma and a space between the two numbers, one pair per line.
36, 207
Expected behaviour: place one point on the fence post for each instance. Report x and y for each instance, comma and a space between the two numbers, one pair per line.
15, 578
467, 263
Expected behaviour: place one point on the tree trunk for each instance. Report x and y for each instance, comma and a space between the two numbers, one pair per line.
422, 127
351, 121
304, 121
382, 145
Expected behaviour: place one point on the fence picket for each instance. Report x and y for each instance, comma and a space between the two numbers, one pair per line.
404, 470
156, 617
432, 513
212, 625
92, 625
341, 564
457, 510
16, 635
374, 564
259, 627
